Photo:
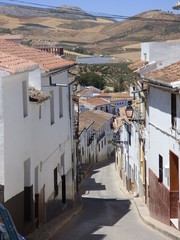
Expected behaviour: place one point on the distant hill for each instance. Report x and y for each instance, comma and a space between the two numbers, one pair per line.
70, 27
65, 12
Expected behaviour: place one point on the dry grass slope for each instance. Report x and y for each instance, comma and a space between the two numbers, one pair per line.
103, 36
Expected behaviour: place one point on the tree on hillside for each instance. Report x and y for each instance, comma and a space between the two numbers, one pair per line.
91, 79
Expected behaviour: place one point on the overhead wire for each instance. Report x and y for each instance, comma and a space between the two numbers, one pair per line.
88, 13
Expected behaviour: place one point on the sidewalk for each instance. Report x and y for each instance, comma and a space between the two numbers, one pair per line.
143, 211
48, 230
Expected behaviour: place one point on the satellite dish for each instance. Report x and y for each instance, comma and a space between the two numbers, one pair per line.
177, 6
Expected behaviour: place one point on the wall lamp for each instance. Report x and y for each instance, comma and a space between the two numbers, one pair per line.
129, 114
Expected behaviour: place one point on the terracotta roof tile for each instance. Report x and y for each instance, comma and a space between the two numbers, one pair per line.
13, 64
167, 76
136, 65
97, 101
88, 90
84, 102
46, 61
84, 123
98, 117
116, 96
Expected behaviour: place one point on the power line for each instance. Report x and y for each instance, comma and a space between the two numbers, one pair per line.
89, 13
31, 3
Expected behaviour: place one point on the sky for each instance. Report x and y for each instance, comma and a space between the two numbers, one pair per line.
114, 7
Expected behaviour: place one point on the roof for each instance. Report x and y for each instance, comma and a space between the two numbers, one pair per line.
167, 76
13, 64
37, 96
88, 90
84, 123
95, 101
136, 65
98, 117
116, 96
46, 61
83, 101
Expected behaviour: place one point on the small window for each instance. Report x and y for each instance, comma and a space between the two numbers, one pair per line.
55, 182
60, 102
102, 144
173, 110
40, 112
160, 169
25, 98
52, 107
105, 141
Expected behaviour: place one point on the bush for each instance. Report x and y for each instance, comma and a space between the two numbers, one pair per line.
91, 79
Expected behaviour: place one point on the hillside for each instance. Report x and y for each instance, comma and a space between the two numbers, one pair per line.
70, 27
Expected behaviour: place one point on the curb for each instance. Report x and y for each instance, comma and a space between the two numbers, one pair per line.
49, 229
159, 226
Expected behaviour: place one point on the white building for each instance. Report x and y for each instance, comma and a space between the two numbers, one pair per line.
101, 148
163, 146
37, 152
117, 100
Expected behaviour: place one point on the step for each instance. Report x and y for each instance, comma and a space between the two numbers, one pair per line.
174, 221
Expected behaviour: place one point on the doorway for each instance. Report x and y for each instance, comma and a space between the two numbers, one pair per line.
174, 185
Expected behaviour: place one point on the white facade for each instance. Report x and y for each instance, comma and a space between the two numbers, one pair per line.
36, 139
168, 138
104, 137
163, 53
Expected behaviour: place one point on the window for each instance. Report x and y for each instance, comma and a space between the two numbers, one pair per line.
102, 144
52, 107
105, 141
25, 98
40, 112
55, 183
99, 147
60, 102
28, 190
173, 110
160, 169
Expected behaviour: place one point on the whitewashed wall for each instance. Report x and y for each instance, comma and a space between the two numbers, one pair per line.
162, 138
2, 180
17, 132
164, 52
33, 137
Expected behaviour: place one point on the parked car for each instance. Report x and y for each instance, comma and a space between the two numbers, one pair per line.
4, 234
7, 228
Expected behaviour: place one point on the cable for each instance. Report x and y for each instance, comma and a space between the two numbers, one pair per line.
32, 3
91, 14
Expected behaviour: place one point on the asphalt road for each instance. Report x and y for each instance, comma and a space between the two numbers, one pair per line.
108, 212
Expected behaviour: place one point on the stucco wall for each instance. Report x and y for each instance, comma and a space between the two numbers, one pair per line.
34, 137
161, 135
165, 52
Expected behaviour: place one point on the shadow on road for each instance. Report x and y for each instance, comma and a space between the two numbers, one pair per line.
99, 213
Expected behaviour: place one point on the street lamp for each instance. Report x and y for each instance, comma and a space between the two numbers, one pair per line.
129, 114
129, 111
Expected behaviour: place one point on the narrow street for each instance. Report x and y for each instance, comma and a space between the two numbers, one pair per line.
108, 212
